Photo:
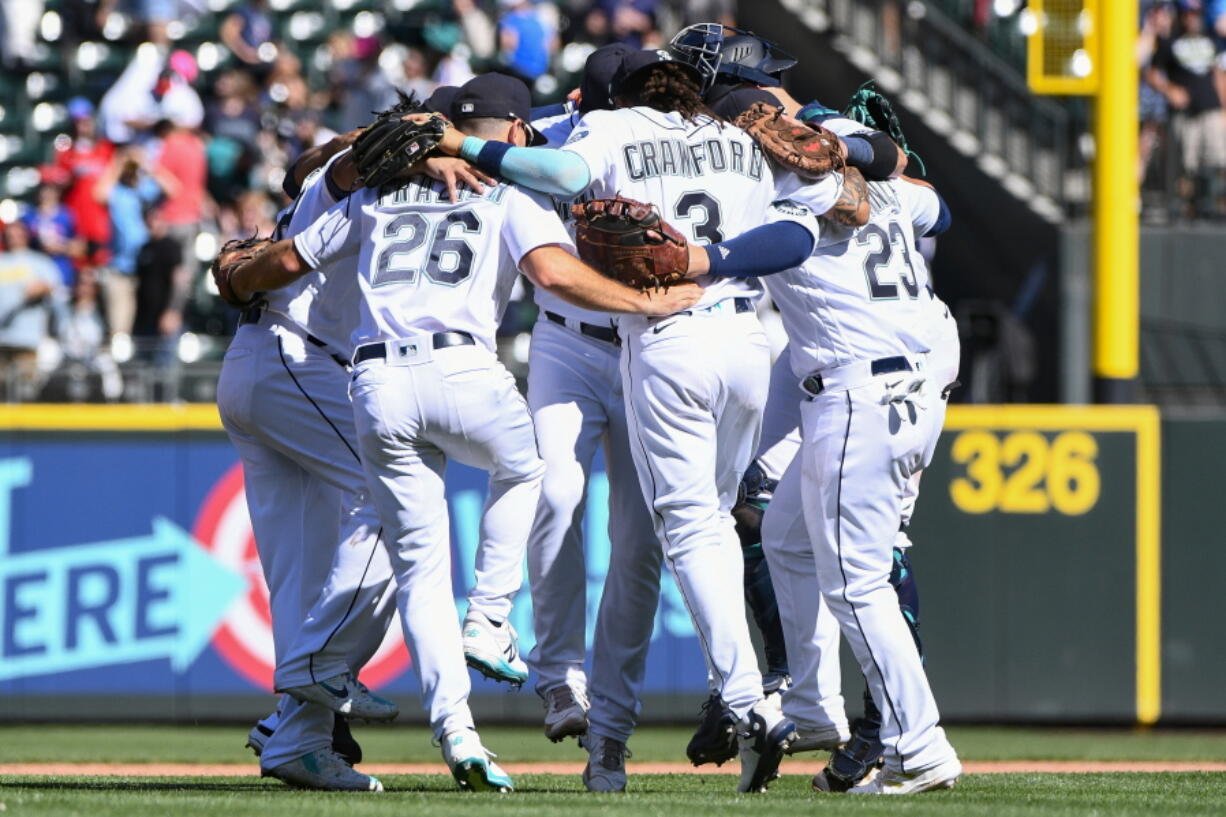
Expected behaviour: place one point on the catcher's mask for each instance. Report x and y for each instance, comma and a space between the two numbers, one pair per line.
750, 58
699, 46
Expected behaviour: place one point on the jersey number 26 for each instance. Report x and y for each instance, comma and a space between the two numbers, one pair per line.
449, 258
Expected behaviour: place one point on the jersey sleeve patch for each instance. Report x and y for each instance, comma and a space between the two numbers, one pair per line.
787, 207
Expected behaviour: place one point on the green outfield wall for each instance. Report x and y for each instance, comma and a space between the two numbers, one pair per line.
1069, 561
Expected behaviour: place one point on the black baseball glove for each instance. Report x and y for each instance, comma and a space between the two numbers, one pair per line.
390, 145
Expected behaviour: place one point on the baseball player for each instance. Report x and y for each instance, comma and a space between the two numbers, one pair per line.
856, 317
352, 603
575, 392
283, 400
747, 61
433, 280
818, 697
694, 382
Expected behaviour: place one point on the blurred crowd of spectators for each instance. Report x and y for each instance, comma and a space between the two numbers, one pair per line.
1182, 55
106, 263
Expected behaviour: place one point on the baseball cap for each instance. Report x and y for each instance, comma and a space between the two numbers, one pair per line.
80, 108
440, 101
496, 95
736, 102
598, 72
639, 61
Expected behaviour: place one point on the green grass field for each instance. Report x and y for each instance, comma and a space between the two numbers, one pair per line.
998, 795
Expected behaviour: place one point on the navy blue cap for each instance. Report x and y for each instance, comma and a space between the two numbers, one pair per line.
736, 102
598, 72
440, 101
639, 61
499, 96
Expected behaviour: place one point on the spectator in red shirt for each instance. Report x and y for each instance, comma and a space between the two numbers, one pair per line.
86, 158
183, 159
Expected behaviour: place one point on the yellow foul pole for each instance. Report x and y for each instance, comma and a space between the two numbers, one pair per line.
1116, 206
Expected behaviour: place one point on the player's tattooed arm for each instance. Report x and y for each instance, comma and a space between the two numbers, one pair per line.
852, 207
554, 269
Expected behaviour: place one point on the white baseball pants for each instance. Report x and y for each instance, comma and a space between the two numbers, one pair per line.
695, 385
575, 392
858, 452
411, 417
285, 405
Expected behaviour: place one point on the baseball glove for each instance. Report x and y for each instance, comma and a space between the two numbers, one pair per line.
387, 148
808, 151
235, 253
868, 107
627, 240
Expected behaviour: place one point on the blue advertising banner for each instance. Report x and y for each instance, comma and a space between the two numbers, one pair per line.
128, 563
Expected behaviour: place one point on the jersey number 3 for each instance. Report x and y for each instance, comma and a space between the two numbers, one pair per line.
449, 258
880, 258
708, 230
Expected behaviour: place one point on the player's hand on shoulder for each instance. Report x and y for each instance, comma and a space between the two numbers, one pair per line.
677, 298
454, 171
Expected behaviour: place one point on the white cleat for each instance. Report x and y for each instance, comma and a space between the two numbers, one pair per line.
346, 695
472, 764
565, 713
818, 740
765, 734
323, 769
493, 649
942, 776
606, 763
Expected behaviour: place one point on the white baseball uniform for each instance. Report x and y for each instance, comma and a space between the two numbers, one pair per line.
434, 279
695, 382
575, 393
856, 318
283, 399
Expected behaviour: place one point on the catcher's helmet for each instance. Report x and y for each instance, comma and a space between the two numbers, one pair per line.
749, 58
699, 46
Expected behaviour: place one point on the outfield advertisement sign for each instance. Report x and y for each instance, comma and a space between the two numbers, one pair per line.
129, 566
129, 571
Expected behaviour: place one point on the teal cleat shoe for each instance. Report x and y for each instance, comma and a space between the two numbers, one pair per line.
472, 764
493, 649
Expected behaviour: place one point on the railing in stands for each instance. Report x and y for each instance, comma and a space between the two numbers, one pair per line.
941, 72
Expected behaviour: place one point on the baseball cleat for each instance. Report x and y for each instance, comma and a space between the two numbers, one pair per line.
472, 764
606, 763
346, 695
258, 737
323, 769
343, 742
492, 649
764, 736
565, 713
827, 781
714, 740
817, 740
942, 776
852, 763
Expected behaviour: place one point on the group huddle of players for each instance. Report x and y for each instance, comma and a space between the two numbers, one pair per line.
365, 361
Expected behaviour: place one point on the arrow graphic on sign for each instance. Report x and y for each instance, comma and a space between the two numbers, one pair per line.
136, 599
